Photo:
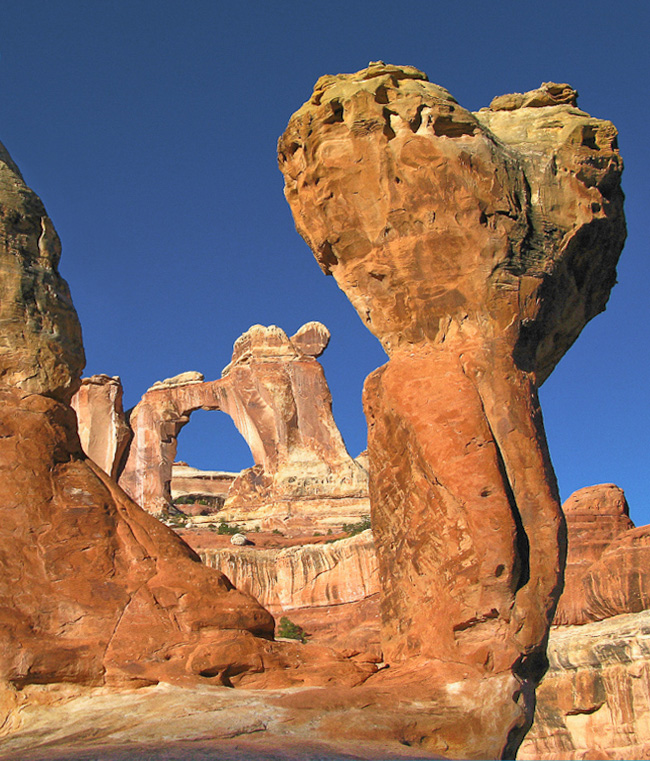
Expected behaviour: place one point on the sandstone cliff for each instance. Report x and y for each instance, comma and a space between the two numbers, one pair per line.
475, 247
331, 590
94, 591
593, 703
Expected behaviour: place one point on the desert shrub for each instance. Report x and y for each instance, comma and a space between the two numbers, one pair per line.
356, 528
289, 630
277, 531
224, 528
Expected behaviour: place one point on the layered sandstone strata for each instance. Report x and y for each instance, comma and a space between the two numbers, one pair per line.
593, 701
475, 247
331, 589
275, 391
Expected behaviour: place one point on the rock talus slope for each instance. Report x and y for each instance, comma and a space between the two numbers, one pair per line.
475, 247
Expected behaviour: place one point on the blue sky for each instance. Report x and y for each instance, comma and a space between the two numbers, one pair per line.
149, 129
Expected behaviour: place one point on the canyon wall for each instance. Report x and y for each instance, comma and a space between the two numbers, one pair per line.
593, 702
475, 247
331, 589
95, 591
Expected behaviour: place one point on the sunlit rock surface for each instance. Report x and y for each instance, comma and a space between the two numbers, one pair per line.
475, 247
275, 391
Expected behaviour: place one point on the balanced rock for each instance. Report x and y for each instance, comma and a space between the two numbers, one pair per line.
475, 247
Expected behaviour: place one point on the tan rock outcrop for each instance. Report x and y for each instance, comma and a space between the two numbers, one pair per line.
475, 247
40, 335
593, 702
276, 393
101, 422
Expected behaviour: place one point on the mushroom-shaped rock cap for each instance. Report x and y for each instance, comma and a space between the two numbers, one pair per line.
431, 217
311, 339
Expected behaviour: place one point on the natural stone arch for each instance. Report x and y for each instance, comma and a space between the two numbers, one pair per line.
275, 391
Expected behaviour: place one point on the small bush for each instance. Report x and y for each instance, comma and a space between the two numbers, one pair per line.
289, 630
224, 528
356, 528
277, 531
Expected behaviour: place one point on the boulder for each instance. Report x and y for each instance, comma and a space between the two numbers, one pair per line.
475, 247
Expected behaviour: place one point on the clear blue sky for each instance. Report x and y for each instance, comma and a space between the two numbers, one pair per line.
149, 127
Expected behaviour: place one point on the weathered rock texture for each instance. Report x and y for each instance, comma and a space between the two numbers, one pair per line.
40, 335
276, 393
593, 702
187, 482
597, 516
330, 589
475, 247
101, 422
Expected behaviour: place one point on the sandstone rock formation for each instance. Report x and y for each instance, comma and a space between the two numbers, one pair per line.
596, 517
94, 590
40, 336
276, 393
101, 422
332, 590
593, 703
475, 247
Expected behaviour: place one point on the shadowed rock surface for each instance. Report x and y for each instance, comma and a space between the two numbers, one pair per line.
475, 247
40, 335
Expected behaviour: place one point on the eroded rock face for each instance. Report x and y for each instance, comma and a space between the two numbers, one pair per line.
475, 247
275, 391
40, 336
93, 590
593, 702
332, 588
101, 422
596, 517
